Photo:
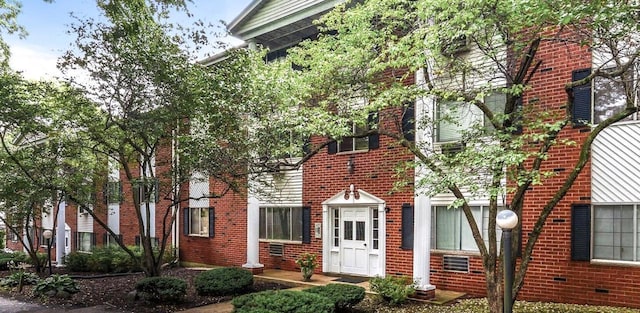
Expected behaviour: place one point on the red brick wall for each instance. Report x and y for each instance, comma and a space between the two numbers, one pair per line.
229, 245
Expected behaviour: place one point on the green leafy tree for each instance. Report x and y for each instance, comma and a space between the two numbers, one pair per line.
465, 52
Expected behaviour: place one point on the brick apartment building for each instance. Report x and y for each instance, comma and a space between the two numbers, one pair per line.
338, 204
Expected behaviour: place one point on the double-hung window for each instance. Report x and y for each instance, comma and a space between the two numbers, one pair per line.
281, 223
454, 117
616, 235
355, 143
610, 95
199, 221
85, 241
451, 231
113, 192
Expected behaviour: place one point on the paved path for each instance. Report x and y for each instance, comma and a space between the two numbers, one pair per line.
15, 306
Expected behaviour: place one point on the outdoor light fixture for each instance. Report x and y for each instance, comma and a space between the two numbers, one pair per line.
507, 220
47, 234
351, 165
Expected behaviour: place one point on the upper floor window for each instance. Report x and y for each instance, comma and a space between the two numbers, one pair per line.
113, 192
454, 117
610, 95
355, 143
146, 190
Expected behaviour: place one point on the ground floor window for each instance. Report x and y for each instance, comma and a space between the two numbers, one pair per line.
451, 231
199, 221
85, 241
615, 232
281, 223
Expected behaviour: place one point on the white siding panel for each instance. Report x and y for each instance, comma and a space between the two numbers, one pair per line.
615, 168
113, 219
281, 189
198, 188
276, 9
85, 223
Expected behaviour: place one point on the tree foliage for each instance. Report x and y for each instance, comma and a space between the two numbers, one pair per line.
463, 53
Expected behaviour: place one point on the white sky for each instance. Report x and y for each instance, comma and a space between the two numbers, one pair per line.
48, 23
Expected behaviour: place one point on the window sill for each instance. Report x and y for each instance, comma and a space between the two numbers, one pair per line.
456, 252
281, 241
352, 152
198, 236
615, 263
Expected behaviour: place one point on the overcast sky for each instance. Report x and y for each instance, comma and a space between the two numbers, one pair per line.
47, 25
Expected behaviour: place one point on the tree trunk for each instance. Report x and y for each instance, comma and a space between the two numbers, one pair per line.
494, 279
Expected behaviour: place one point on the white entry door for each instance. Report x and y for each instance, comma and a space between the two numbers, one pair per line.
354, 252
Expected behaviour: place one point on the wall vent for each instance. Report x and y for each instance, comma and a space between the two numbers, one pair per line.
455, 263
276, 249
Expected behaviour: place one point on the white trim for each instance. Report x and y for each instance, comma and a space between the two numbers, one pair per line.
364, 199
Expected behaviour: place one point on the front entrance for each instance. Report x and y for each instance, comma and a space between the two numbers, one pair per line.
354, 251
353, 231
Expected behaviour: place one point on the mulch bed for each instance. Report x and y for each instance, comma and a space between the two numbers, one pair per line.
112, 291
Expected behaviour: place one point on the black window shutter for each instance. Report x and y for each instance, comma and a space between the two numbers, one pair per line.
306, 224
407, 226
581, 112
306, 146
409, 122
518, 111
374, 139
212, 218
156, 189
105, 192
185, 222
138, 241
76, 235
121, 193
104, 239
93, 240
332, 148
580, 232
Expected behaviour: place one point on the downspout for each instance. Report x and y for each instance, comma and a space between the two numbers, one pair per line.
175, 194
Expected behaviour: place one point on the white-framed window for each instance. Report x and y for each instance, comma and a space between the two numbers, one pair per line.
281, 223
13, 236
199, 221
615, 234
451, 231
349, 144
454, 117
146, 190
85, 241
113, 192
610, 97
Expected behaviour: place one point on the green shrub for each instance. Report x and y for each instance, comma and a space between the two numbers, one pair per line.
343, 296
42, 258
56, 286
6, 258
122, 262
161, 289
77, 261
13, 280
282, 301
393, 289
223, 281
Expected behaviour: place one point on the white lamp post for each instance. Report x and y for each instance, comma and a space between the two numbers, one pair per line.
507, 220
47, 234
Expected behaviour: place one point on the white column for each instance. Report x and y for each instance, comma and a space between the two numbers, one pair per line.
253, 234
60, 233
326, 239
422, 203
422, 242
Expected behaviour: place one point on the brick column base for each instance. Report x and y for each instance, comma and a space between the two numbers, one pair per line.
255, 270
425, 294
